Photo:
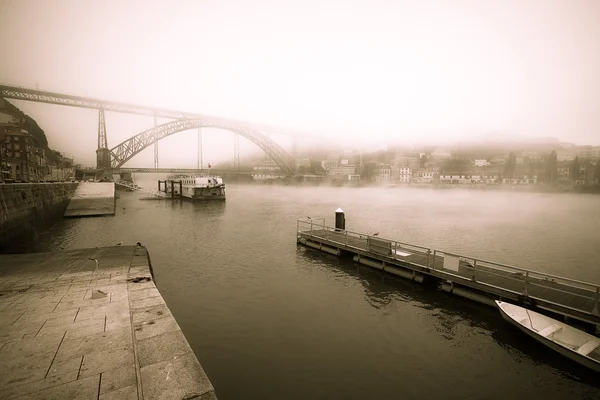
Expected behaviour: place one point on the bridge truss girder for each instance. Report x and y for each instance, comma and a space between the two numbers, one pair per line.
124, 151
41, 96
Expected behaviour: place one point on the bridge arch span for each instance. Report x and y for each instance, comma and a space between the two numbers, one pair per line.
126, 150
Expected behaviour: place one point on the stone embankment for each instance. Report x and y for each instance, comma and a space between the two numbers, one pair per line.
27, 207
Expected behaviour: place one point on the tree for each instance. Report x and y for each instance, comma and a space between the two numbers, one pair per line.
423, 161
575, 167
455, 165
552, 167
531, 170
509, 168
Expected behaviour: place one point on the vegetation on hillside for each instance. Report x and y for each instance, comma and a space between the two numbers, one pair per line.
30, 125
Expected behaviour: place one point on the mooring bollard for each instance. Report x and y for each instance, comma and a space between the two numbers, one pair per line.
340, 220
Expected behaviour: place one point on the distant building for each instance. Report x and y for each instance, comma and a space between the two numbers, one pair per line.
481, 162
268, 169
332, 161
6, 118
383, 172
587, 174
590, 153
565, 156
342, 170
522, 180
532, 156
563, 172
455, 179
498, 160
423, 176
302, 165
406, 161
441, 154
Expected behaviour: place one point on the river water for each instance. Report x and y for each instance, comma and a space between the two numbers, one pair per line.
271, 320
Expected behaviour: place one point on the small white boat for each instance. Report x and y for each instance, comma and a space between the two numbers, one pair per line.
567, 340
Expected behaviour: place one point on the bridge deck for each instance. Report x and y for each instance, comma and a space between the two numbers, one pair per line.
561, 295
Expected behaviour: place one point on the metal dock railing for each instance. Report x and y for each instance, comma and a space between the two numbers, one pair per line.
135, 187
470, 277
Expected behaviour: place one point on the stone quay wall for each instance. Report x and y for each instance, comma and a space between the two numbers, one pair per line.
27, 207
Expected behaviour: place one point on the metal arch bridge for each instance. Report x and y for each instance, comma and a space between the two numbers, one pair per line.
124, 151
118, 155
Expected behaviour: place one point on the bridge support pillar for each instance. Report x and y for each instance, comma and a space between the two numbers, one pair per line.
103, 159
103, 153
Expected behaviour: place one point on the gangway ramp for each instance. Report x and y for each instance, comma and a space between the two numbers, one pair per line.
92, 199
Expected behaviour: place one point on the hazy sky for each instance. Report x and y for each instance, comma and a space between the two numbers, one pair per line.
363, 71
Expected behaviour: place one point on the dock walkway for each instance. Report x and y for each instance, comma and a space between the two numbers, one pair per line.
480, 280
72, 328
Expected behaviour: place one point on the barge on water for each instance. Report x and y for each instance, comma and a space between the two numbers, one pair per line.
197, 187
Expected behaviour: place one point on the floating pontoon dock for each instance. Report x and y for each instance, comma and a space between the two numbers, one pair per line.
473, 278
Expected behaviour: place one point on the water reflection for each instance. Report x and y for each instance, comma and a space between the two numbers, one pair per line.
210, 208
523, 347
381, 290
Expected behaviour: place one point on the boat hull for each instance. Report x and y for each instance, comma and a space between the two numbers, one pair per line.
554, 345
197, 188
205, 198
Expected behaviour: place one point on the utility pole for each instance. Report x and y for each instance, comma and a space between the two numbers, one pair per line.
200, 164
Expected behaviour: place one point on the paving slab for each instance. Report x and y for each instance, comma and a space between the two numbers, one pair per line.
71, 331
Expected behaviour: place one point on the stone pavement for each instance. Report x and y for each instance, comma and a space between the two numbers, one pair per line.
72, 330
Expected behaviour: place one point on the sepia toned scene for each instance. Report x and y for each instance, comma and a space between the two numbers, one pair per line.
299, 199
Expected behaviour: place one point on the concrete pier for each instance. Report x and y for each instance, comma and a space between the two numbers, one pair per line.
72, 327
92, 199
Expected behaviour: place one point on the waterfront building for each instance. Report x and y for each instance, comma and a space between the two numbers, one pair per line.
590, 153
21, 159
383, 173
343, 172
423, 176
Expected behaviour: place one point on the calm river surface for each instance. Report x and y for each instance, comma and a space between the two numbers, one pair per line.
271, 320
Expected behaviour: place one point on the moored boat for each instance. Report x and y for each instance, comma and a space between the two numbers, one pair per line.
197, 187
563, 338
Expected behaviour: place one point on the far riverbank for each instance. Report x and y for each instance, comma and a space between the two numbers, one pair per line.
532, 188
